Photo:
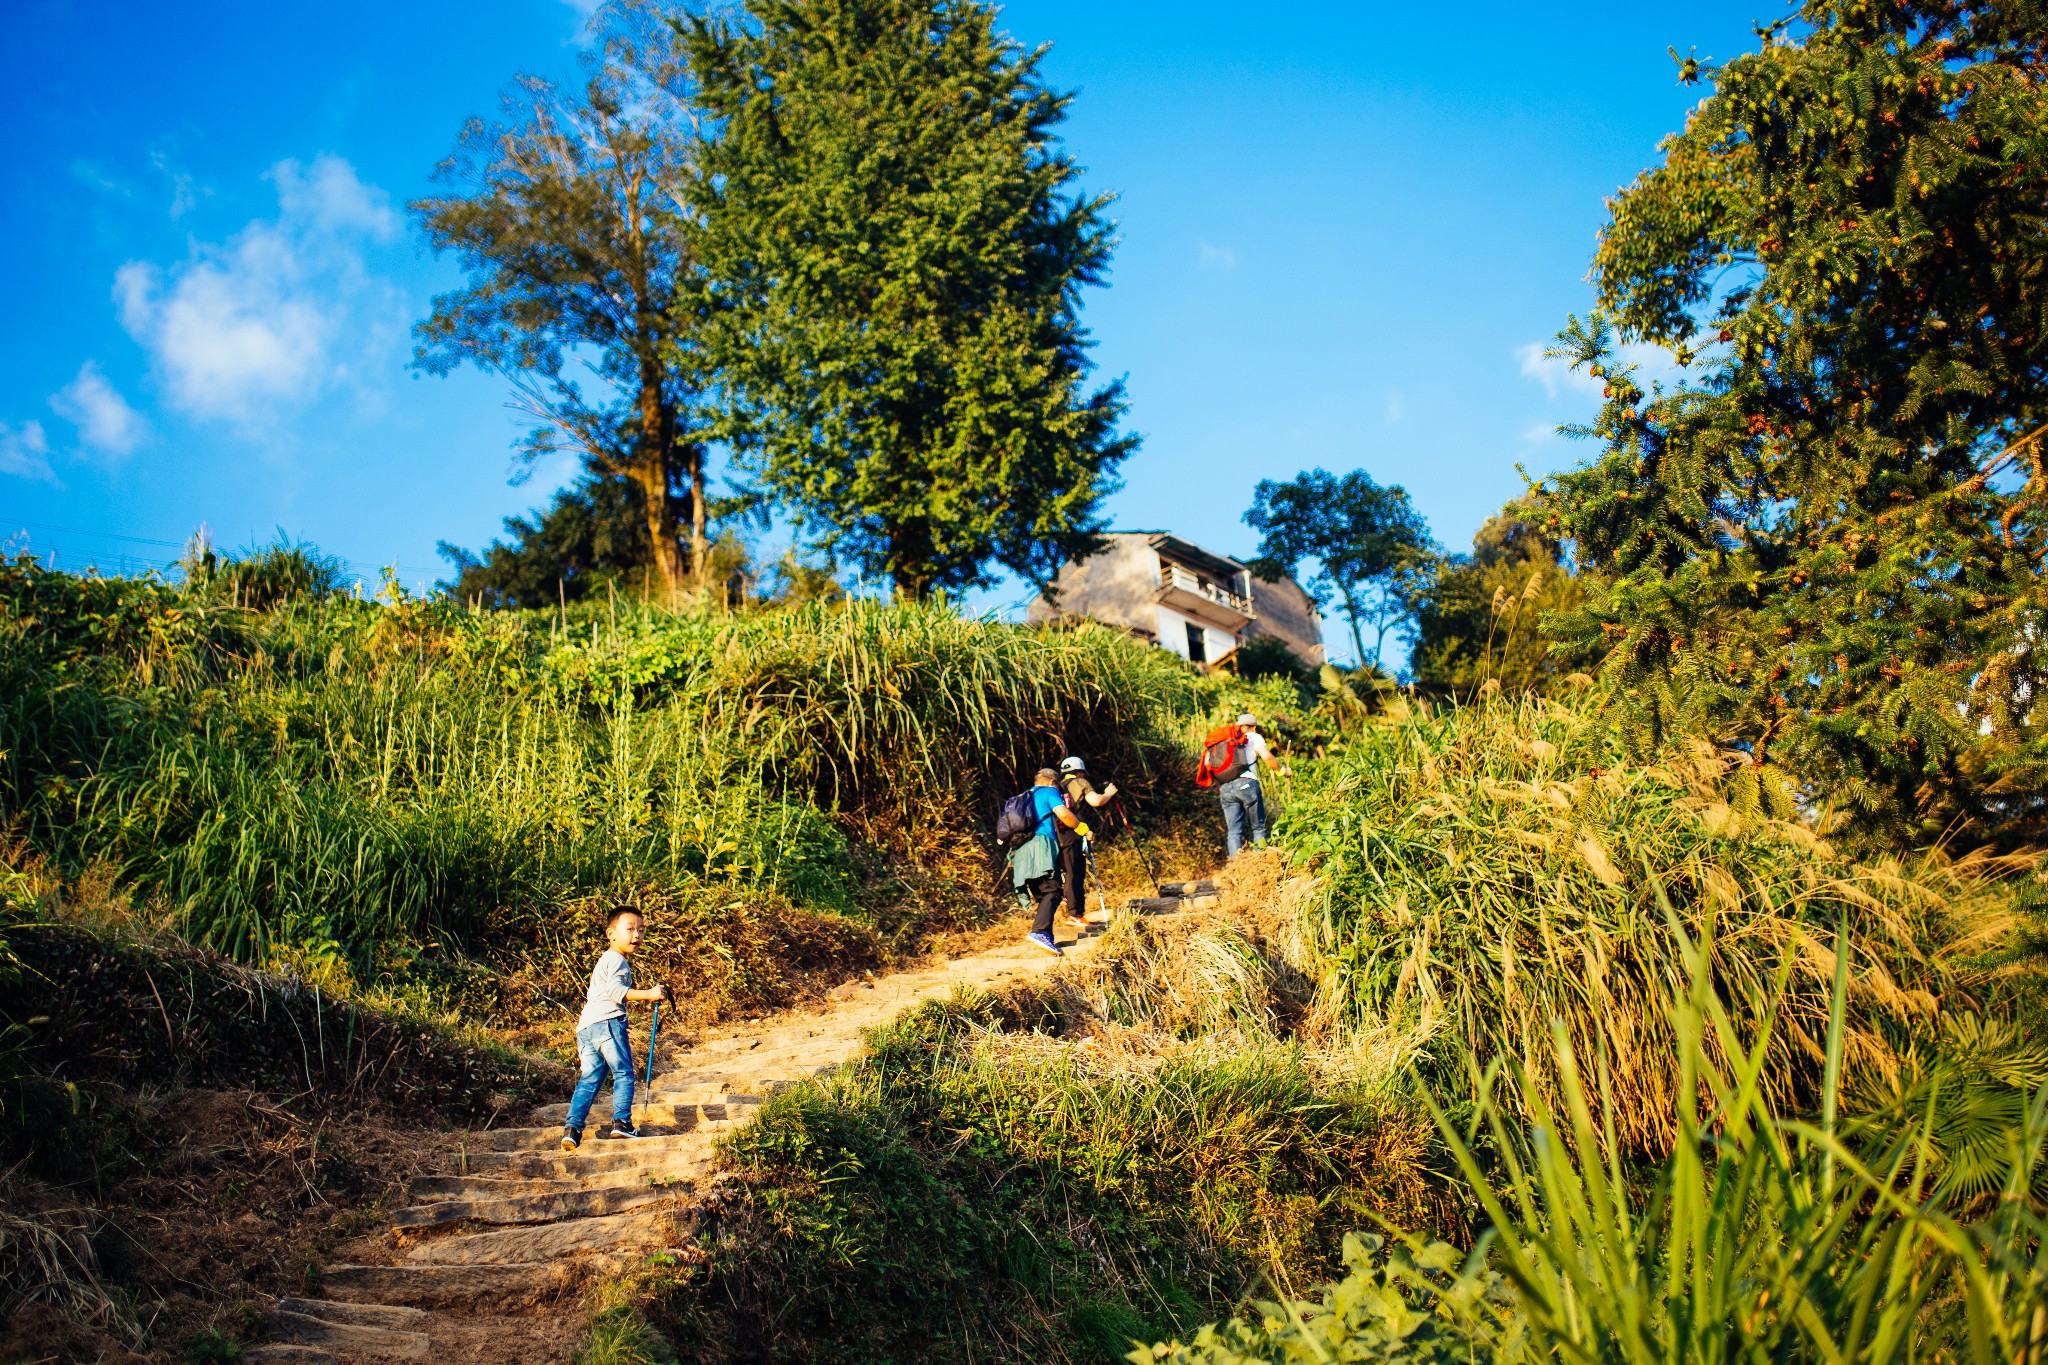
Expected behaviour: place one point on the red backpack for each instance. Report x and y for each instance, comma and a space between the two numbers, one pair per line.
1222, 756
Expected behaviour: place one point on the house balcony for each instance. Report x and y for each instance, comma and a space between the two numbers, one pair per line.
1195, 596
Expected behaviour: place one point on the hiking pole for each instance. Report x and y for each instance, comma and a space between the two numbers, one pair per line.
1138, 846
653, 1032
1096, 877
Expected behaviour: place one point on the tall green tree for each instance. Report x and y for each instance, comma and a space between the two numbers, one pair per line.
897, 248
1371, 547
1479, 616
1825, 545
571, 219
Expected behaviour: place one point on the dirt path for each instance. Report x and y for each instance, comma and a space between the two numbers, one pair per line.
482, 1263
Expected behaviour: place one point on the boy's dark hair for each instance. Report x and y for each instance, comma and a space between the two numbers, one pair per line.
618, 910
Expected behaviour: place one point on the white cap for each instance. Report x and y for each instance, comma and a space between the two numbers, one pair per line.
1073, 765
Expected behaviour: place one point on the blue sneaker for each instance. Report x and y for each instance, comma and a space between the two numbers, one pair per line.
1043, 941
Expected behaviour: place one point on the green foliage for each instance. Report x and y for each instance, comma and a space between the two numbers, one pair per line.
352, 777
1487, 870
618, 1336
1369, 544
895, 260
1415, 1307
963, 1191
594, 533
260, 580
1825, 546
1479, 617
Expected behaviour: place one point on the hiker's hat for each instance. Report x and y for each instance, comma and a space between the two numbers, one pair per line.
1073, 765
1247, 719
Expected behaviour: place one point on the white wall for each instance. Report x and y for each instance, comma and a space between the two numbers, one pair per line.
1173, 635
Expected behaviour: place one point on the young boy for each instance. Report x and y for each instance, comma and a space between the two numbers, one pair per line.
601, 1033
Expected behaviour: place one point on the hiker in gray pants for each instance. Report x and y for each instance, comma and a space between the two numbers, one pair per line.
1244, 801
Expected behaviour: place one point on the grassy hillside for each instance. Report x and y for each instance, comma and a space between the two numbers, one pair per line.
373, 789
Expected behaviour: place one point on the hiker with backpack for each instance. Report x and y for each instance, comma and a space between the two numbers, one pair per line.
1027, 824
1231, 755
1081, 798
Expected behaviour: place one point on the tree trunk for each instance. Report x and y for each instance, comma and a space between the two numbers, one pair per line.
700, 545
910, 559
651, 472
1357, 635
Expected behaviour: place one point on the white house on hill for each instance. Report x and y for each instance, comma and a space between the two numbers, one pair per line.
1183, 598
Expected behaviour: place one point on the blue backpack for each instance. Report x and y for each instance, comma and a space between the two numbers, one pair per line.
1019, 819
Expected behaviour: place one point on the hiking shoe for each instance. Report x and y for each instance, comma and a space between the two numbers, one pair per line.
1043, 941
622, 1130
571, 1139
1080, 925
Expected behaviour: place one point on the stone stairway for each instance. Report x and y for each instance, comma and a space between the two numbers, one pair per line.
513, 1224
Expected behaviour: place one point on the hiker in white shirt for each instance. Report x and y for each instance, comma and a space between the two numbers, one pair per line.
1243, 799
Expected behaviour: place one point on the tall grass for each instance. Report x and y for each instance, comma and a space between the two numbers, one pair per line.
1760, 1236
330, 771
1486, 871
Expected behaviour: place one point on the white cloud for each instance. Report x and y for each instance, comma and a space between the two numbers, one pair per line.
104, 420
281, 311
25, 452
1218, 257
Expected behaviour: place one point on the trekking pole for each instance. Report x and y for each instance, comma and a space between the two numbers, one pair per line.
1138, 846
1096, 877
653, 1032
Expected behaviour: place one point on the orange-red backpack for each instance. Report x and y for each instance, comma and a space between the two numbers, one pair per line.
1221, 756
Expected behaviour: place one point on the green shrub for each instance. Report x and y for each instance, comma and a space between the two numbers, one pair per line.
618, 1336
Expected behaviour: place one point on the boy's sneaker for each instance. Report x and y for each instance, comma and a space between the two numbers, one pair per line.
622, 1130
1081, 925
1043, 941
571, 1139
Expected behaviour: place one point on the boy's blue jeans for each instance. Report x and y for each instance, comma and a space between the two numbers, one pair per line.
1244, 804
602, 1048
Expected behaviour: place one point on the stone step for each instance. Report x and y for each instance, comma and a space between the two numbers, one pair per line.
479, 1147
395, 1318
733, 1103
437, 1286
683, 1116
566, 1178
594, 1158
287, 1353
347, 1338
534, 1208
544, 1242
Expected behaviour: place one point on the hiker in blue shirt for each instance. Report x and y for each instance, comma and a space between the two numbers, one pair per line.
1034, 866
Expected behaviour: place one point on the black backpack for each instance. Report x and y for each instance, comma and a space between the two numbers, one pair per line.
1019, 820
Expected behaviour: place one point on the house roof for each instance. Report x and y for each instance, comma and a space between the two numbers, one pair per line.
1196, 557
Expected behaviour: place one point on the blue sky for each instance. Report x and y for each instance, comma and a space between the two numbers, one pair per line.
1346, 232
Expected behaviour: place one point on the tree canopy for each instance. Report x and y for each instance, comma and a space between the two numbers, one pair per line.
1824, 545
571, 221
1369, 544
896, 250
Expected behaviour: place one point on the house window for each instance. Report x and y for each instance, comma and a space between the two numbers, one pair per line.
1198, 644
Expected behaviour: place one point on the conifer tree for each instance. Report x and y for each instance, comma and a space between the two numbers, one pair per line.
1824, 547
896, 250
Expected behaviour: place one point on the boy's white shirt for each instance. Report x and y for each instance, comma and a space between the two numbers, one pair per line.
1254, 750
610, 979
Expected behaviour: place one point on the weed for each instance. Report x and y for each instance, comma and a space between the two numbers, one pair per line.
618, 1336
